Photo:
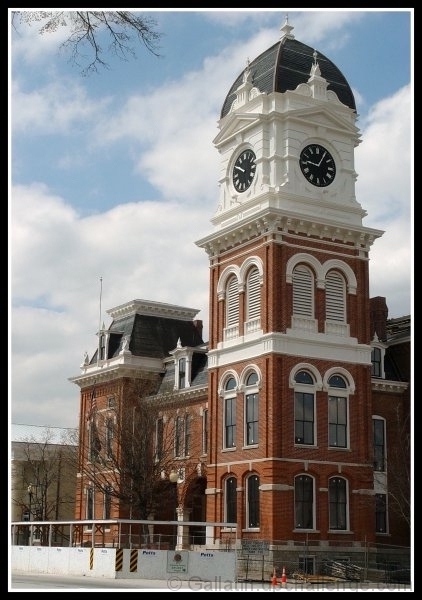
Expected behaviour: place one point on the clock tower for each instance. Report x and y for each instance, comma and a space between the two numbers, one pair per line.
289, 350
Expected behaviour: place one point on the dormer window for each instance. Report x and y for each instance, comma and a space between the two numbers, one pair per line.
377, 358
182, 373
376, 362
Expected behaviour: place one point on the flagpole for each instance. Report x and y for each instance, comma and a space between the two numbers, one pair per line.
99, 324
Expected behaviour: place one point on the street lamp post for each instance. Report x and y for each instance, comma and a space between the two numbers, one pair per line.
30, 512
173, 478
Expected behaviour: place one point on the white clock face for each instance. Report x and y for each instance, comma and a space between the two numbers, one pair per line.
244, 170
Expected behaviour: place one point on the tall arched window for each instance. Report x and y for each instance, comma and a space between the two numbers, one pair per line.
231, 500
335, 297
252, 498
303, 291
251, 410
337, 493
230, 413
337, 413
304, 409
304, 502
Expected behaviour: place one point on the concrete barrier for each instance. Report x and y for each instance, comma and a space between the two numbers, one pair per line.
203, 565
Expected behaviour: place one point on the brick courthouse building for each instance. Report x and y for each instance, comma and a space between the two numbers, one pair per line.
286, 421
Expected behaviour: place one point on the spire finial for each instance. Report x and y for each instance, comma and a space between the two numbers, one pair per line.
286, 29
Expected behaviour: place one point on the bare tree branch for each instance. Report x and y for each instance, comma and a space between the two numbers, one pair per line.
123, 29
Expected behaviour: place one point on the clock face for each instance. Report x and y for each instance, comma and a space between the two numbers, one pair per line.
317, 165
244, 170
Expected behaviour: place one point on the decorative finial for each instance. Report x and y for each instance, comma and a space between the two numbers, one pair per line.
247, 71
315, 55
286, 30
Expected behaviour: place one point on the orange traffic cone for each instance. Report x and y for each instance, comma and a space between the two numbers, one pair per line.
274, 578
283, 578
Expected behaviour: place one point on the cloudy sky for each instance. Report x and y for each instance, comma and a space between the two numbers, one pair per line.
113, 176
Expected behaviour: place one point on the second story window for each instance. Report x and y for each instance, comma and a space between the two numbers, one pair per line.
205, 431
251, 410
304, 409
159, 439
337, 413
179, 436
229, 416
109, 437
378, 426
188, 435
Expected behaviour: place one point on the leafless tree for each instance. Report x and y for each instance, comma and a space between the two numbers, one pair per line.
43, 488
123, 29
399, 469
129, 450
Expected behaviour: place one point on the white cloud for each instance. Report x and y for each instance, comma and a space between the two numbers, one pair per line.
147, 249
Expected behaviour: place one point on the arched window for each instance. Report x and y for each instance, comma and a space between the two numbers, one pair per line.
304, 409
303, 291
251, 410
230, 413
253, 295
304, 502
232, 302
337, 494
231, 500
252, 499
337, 413
335, 297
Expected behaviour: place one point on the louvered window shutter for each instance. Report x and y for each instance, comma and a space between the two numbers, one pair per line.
303, 292
253, 295
335, 297
232, 302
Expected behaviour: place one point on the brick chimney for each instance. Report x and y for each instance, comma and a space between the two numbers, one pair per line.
378, 314
198, 324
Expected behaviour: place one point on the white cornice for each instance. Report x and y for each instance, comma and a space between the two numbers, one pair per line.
387, 385
156, 309
124, 365
317, 346
266, 220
